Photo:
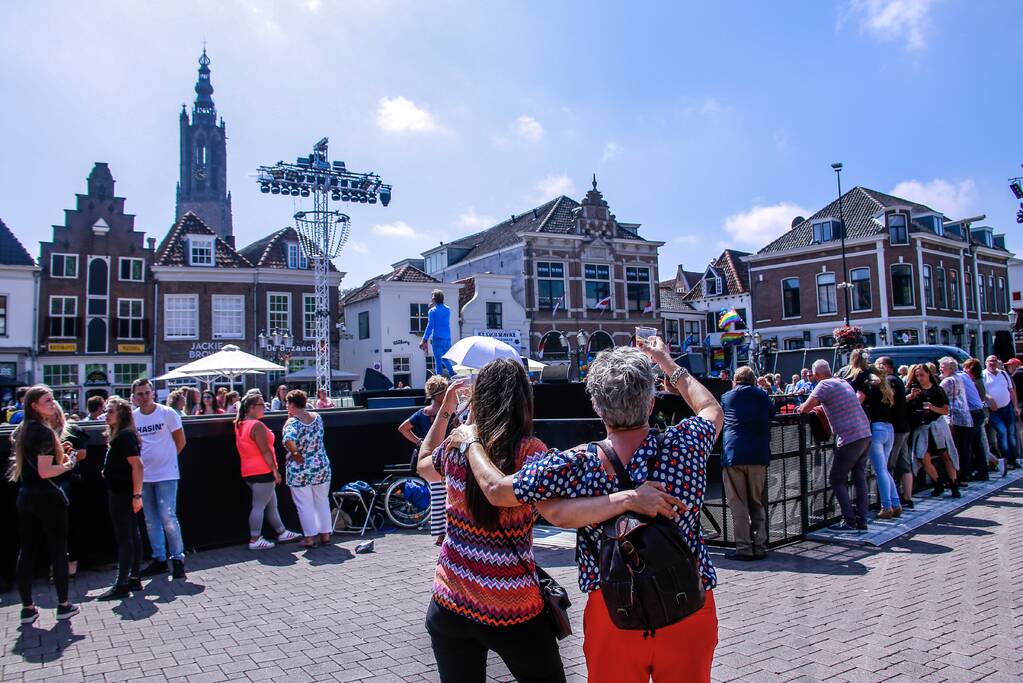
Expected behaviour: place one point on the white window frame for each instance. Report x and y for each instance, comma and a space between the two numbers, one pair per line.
912, 285
817, 281
852, 291
300, 262
308, 332
167, 298
132, 260
76, 374
905, 228
140, 317
113, 372
609, 280
63, 314
5, 302
817, 231
953, 289
208, 242
649, 282
940, 288
564, 284
269, 313
53, 271
418, 320
223, 299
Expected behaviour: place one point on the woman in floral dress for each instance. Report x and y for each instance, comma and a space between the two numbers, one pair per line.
307, 470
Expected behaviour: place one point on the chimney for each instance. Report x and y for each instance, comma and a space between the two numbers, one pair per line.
151, 243
230, 240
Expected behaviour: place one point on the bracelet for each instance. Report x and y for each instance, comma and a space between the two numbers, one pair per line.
465, 446
679, 373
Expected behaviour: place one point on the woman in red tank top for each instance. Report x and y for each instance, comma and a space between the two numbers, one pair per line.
259, 470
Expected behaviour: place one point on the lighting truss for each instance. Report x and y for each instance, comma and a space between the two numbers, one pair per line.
322, 232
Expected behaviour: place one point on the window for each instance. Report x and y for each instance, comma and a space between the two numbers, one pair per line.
691, 328
953, 289
741, 325
825, 231
824, 341
598, 286
64, 265
364, 325
228, 316
939, 226
712, 322
296, 257
860, 279
430, 365
711, 284
181, 316
418, 318
790, 297
637, 288
940, 288
981, 294
495, 315
794, 344
671, 334
928, 288
992, 304
550, 285
1001, 302
278, 311
60, 375
126, 373
132, 269
129, 318
909, 336
436, 262
402, 372
827, 294
309, 316
897, 233
902, 285
63, 316
200, 250
970, 295
3, 315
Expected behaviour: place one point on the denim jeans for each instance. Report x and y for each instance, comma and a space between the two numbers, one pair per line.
160, 505
1004, 422
882, 437
440, 347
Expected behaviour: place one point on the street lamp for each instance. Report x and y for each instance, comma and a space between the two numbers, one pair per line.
883, 334
580, 341
837, 166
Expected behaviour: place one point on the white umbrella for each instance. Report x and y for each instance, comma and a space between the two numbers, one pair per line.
228, 361
534, 365
475, 352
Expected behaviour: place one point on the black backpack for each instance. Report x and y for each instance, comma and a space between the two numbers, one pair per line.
649, 576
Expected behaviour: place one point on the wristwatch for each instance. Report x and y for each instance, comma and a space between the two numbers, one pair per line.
679, 373
465, 446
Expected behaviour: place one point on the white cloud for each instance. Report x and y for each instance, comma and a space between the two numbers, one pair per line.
358, 247
762, 224
954, 199
528, 129
470, 221
401, 115
890, 20
552, 186
687, 240
396, 229
611, 150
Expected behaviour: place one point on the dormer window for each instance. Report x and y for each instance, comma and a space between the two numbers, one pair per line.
712, 285
200, 250
984, 236
939, 226
825, 231
897, 230
296, 258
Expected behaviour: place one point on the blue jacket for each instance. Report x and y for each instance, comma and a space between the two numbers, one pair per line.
746, 437
438, 324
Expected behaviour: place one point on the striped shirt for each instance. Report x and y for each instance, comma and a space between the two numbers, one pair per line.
487, 576
842, 406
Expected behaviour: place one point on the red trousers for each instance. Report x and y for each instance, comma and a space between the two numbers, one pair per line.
678, 653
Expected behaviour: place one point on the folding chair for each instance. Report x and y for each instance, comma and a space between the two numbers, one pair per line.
360, 503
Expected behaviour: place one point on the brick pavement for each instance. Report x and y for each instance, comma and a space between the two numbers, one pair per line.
944, 604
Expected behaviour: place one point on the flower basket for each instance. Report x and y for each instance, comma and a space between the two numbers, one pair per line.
848, 337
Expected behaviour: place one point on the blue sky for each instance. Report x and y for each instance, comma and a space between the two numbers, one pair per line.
712, 124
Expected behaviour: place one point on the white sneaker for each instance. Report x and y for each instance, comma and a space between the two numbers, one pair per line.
260, 544
287, 535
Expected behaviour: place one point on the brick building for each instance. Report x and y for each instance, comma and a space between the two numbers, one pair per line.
95, 298
914, 277
574, 267
18, 276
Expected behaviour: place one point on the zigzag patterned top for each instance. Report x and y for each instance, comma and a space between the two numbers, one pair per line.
478, 573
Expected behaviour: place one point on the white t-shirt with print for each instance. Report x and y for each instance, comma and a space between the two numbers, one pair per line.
159, 453
997, 387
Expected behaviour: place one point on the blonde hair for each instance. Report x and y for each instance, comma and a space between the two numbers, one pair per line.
437, 384
744, 375
19, 438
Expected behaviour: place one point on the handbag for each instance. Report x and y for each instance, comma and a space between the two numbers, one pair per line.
552, 594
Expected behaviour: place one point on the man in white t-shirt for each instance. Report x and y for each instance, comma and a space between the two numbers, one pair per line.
159, 428
1001, 395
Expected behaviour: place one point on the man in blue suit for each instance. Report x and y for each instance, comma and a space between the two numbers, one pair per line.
438, 330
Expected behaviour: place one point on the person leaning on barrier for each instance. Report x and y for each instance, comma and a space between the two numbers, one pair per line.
745, 455
577, 489
852, 443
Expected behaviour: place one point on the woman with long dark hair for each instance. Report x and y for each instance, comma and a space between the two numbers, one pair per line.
70, 433
932, 439
255, 444
280, 400
41, 467
878, 400
209, 404
122, 472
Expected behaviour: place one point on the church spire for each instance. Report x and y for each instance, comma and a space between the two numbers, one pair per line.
204, 111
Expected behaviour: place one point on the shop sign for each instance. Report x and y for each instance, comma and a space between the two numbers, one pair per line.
96, 378
203, 349
8, 370
131, 348
63, 347
512, 338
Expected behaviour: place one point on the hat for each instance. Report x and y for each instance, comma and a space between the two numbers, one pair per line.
1013, 361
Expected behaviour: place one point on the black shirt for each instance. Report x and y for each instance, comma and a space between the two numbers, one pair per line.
918, 416
900, 421
39, 440
116, 470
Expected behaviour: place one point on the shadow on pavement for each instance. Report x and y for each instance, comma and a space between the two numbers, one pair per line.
44, 645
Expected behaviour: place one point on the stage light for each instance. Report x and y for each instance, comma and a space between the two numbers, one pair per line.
275, 188
335, 196
385, 196
304, 192
295, 192
345, 196
1016, 185
264, 188
372, 199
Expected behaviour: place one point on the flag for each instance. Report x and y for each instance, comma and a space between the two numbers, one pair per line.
649, 308
729, 317
557, 305
687, 343
706, 341
539, 351
603, 304
732, 338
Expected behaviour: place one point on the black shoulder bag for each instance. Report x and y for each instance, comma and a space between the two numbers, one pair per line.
553, 594
649, 577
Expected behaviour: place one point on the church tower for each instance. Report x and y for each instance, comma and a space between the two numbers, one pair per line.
202, 185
